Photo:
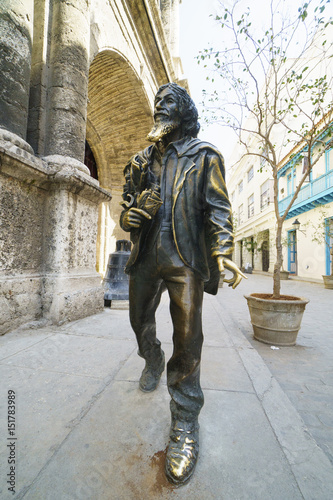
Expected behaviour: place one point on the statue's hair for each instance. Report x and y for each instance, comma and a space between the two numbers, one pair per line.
187, 109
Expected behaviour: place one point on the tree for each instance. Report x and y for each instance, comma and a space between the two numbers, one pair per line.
275, 86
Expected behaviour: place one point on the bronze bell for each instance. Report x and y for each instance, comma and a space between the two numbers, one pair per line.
116, 280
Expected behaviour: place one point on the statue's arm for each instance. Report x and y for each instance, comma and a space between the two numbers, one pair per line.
132, 217
219, 218
217, 207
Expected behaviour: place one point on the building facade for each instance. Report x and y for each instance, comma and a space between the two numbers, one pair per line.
77, 85
307, 246
307, 243
250, 187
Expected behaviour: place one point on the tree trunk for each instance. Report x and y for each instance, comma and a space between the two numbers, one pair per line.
278, 263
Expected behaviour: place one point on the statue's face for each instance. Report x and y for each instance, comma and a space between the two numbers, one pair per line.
166, 108
167, 117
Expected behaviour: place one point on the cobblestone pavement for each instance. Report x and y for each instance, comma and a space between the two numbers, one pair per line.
304, 371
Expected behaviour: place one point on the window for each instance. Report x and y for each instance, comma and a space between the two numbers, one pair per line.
264, 195
263, 159
250, 174
305, 166
250, 206
240, 187
291, 181
240, 214
233, 196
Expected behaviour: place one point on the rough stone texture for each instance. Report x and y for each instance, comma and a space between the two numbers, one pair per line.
20, 299
71, 282
38, 78
68, 79
48, 218
21, 216
69, 220
49, 203
15, 63
21, 251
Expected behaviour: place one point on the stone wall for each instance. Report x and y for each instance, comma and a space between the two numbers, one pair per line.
21, 252
48, 227
71, 72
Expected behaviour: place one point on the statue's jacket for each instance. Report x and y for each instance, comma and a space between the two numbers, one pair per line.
201, 211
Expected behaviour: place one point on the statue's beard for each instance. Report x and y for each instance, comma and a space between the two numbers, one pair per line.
162, 129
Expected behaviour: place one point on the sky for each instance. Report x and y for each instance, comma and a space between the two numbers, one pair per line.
197, 31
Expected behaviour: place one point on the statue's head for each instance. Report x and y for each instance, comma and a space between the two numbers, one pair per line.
174, 109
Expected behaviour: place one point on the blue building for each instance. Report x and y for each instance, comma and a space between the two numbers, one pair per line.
309, 222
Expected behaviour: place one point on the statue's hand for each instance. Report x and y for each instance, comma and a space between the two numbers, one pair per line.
237, 273
134, 218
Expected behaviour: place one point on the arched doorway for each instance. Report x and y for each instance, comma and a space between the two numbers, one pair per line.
90, 162
119, 116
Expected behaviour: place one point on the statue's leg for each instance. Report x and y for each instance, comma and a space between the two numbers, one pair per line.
186, 295
144, 298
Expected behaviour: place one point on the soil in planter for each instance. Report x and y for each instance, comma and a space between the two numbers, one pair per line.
269, 296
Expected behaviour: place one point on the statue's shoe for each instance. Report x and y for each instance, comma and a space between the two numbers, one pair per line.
151, 376
182, 454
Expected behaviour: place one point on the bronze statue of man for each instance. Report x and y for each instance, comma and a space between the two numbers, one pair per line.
179, 216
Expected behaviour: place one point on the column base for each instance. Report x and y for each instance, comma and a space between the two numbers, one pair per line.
67, 163
72, 296
49, 215
14, 143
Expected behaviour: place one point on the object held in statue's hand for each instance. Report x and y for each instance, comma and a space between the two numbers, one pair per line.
150, 201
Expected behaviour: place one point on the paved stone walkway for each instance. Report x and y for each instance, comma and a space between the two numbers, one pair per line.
84, 430
304, 371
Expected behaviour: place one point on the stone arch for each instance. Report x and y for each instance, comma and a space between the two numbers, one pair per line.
119, 115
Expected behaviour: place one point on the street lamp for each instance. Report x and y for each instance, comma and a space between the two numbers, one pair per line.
296, 225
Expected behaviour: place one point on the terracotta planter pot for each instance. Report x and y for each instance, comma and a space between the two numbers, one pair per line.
328, 281
276, 322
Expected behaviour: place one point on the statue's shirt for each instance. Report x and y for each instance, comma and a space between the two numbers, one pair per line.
164, 168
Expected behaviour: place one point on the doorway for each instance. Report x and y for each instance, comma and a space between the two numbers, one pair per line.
292, 252
241, 254
265, 256
329, 244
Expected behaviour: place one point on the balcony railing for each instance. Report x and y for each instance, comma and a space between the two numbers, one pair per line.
317, 192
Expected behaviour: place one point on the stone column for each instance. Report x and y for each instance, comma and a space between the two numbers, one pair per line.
16, 26
39, 77
170, 19
68, 84
71, 285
